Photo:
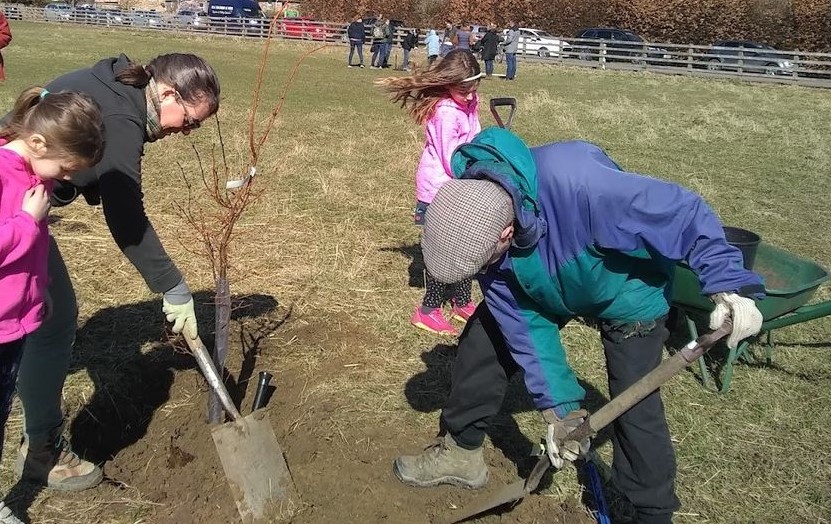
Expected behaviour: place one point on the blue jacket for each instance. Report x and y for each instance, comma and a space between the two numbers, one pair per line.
590, 240
356, 31
432, 42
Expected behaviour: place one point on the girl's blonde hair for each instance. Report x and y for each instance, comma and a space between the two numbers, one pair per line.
70, 123
420, 92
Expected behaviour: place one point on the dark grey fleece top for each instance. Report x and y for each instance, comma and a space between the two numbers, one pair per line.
115, 182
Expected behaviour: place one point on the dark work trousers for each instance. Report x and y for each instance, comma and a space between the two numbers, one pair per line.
10, 353
644, 461
643, 467
478, 381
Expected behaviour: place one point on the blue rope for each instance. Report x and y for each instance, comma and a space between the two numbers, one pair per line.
602, 512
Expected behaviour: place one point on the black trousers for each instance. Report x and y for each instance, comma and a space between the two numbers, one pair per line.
643, 468
10, 353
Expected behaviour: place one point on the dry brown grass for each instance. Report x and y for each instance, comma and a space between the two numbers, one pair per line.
327, 235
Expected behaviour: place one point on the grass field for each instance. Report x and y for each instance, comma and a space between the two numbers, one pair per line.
332, 235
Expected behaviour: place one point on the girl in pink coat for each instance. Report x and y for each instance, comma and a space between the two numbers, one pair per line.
47, 136
443, 99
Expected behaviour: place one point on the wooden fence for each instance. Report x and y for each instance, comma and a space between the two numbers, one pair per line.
759, 65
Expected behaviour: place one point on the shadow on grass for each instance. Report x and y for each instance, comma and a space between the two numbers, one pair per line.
428, 391
131, 385
416, 268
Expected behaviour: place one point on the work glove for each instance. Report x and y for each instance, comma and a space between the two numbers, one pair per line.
747, 319
557, 444
177, 305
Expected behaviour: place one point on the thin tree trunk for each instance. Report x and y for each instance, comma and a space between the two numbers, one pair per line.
220, 351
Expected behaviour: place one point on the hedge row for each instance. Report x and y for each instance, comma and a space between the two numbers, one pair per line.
787, 24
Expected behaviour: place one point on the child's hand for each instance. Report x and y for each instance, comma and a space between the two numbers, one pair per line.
36, 202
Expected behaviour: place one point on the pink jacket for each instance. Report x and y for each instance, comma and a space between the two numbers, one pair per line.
450, 126
24, 250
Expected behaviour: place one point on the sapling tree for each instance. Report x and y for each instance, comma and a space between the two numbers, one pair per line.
227, 189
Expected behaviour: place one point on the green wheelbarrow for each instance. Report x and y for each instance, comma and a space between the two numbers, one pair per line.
790, 282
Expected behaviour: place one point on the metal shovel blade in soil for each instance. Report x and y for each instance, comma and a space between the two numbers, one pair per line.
251, 457
255, 467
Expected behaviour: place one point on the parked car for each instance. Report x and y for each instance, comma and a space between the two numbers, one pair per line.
303, 27
621, 44
755, 58
538, 42
12, 12
191, 19
150, 19
115, 17
57, 12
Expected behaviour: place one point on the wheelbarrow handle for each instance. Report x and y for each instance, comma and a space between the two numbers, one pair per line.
206, 365
649, 383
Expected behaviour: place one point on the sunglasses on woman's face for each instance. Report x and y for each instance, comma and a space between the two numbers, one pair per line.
188, 122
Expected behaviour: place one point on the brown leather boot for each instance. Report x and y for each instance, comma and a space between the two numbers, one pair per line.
443, 462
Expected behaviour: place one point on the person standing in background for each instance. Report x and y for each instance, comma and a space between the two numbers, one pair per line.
389, 36
5, 39
433, 44
447, 39
409, 43
377, 43
489, 45
355, 33
511, 46
462, 37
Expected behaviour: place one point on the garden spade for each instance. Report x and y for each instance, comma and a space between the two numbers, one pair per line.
516, 491
254, 464
496, 103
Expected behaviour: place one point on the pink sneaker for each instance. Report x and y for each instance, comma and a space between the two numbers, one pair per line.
433, 322
463, 313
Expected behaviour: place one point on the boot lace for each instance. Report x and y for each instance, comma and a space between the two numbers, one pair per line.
66, 457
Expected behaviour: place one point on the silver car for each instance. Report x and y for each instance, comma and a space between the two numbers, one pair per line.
750, 57
57, 12
191, 19
147, 19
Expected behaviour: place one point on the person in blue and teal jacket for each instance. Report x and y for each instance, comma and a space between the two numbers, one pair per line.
562, 231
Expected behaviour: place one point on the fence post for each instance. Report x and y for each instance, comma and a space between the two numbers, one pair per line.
602, 59
689, 59
795, 69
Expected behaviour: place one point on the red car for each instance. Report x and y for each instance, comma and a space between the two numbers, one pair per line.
305, 28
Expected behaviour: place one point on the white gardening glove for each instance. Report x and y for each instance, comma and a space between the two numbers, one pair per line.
557, 445
177, 305
747, 319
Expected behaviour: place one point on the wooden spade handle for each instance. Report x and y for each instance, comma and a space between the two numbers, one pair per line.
649, 383
206, 365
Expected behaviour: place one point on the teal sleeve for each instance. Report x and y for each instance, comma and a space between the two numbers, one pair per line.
533, 338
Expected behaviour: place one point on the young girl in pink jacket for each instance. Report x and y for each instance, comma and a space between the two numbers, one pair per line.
443, 98
48, 136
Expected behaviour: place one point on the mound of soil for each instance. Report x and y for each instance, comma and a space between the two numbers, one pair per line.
150, 431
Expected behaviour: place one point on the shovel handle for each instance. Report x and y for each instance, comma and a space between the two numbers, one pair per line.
206, 365
649, 383
503, 101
